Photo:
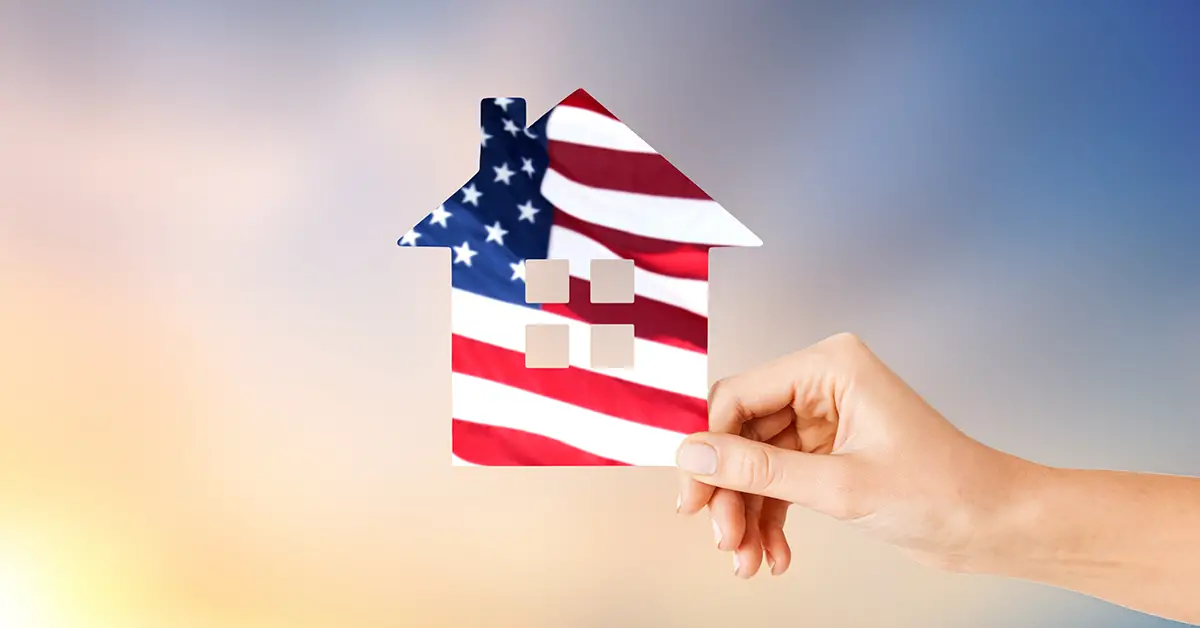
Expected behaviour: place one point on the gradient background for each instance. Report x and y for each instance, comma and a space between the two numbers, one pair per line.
224, 389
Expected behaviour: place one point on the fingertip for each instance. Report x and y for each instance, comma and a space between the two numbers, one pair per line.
774, 540
749, 555
747, 561
782, 564
776, 550
729, 518
693, 496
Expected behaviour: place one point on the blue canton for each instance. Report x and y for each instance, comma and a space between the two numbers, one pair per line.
498, 219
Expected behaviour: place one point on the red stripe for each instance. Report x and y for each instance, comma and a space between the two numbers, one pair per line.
624, 171
578, 387
584, 100
674, 259
502, 447
651, 320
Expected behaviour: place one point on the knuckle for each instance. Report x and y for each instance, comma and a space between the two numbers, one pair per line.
757, 469
717, 390
844, 349
847, 341
723, 404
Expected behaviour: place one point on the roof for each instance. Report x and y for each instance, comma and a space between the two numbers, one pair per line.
686, 214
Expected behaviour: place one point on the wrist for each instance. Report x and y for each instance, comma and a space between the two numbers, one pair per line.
1127, 538
1014, 536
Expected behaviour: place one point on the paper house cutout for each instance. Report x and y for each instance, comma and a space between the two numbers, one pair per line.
579, 298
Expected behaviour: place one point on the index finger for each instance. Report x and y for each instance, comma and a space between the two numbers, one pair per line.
760, 392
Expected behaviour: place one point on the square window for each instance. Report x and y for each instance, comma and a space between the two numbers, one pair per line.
547, 281
612, 281
612, 346
547, 347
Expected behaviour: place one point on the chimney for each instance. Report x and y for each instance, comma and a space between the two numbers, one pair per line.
496, 110
498, 116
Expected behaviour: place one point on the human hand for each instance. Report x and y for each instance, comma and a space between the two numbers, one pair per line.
833, 429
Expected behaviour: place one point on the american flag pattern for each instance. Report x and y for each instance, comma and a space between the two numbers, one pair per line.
579, 185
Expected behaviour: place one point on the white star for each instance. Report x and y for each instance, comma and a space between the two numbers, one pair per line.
439, 216
503, 103
527, 166
529, 135
511, 127
483, 137
503, 173
496, 233
528, 211
471, 195
518, 271
463, 253
410, 238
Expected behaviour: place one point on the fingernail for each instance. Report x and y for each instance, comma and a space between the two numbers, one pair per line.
678, 502
697, 458
737, 564
717, 533
770, 562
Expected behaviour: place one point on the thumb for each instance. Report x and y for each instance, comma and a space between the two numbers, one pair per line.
815, 481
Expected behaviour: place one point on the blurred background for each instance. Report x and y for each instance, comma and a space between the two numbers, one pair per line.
224, 391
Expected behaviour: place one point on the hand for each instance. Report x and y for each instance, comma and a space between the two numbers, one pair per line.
832, 429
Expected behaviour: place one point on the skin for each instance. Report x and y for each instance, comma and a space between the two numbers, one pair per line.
833, 429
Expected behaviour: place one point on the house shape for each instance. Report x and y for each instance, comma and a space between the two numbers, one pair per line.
579, 292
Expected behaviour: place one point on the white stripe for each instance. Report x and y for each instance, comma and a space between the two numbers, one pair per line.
455, 461
485, 402
582, 126
696, 221
580, 250
503, 325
